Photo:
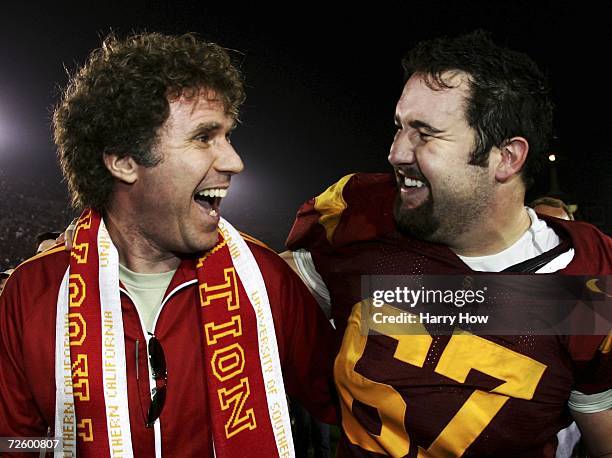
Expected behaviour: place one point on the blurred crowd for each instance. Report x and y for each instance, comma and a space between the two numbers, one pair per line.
28, 209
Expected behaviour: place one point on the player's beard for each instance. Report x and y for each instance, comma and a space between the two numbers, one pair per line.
454, 211
419, 222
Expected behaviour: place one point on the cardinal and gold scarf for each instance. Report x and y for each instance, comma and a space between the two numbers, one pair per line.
246, 396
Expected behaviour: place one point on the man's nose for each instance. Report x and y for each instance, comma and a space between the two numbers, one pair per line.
402, 150
229, 160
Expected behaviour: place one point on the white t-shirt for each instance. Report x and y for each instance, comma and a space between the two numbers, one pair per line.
538, 239
146, 291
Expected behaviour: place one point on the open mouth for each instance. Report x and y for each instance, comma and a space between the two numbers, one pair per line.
413, 189
210, 199
410, 182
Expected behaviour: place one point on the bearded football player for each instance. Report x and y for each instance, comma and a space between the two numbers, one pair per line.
473, 122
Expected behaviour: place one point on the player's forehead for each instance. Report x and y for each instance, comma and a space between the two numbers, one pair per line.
198, 107
423, 99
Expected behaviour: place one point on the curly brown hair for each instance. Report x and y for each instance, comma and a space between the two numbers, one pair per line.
119, 99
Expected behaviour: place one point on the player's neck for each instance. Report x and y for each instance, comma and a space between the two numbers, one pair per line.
500, 229
136, 252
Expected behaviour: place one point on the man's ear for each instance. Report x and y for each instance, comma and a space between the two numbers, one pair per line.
513, 156
124, 168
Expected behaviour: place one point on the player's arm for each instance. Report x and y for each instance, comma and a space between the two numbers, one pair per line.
288, 258
67, 236
306, 271
596, 429
590, 402
306, 341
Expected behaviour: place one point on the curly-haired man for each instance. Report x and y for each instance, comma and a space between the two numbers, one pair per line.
163, 330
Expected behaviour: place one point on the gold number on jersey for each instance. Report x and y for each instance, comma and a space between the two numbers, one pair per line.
463, 353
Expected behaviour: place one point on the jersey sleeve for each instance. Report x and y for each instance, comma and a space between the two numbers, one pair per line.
590, 403
308, 273
357, 207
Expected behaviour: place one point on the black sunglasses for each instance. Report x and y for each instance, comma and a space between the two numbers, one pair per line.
160, 375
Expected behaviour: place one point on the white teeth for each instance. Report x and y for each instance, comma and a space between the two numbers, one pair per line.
410, 183
213, 192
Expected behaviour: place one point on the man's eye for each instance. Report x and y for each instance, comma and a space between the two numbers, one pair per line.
424, 136
204, 138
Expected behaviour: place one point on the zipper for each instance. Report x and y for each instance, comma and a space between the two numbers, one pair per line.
143, 328
152, 385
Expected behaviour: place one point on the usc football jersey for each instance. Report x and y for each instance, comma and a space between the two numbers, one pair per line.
452, 395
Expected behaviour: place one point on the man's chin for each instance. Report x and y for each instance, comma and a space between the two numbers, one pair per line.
201, 243
419, 222
209, 240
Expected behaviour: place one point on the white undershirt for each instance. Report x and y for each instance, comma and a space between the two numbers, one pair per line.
146, 291
538, 239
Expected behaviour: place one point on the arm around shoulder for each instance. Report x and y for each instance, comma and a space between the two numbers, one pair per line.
307, 339
596, 429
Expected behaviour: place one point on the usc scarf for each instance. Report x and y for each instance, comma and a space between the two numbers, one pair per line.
245, 391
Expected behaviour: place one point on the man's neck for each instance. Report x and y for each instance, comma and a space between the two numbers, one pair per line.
496, 232
136, 252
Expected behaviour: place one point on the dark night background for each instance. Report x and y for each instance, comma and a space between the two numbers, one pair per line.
322, 82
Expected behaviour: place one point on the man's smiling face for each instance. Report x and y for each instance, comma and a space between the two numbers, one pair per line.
440, 194
178, 199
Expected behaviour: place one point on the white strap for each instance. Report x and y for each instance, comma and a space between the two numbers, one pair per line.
254, 285
114, 371
65, 420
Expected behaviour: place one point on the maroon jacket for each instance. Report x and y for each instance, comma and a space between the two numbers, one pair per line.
27, 353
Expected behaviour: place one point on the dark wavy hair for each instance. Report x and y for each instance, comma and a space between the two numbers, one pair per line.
119, 99
508, 96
